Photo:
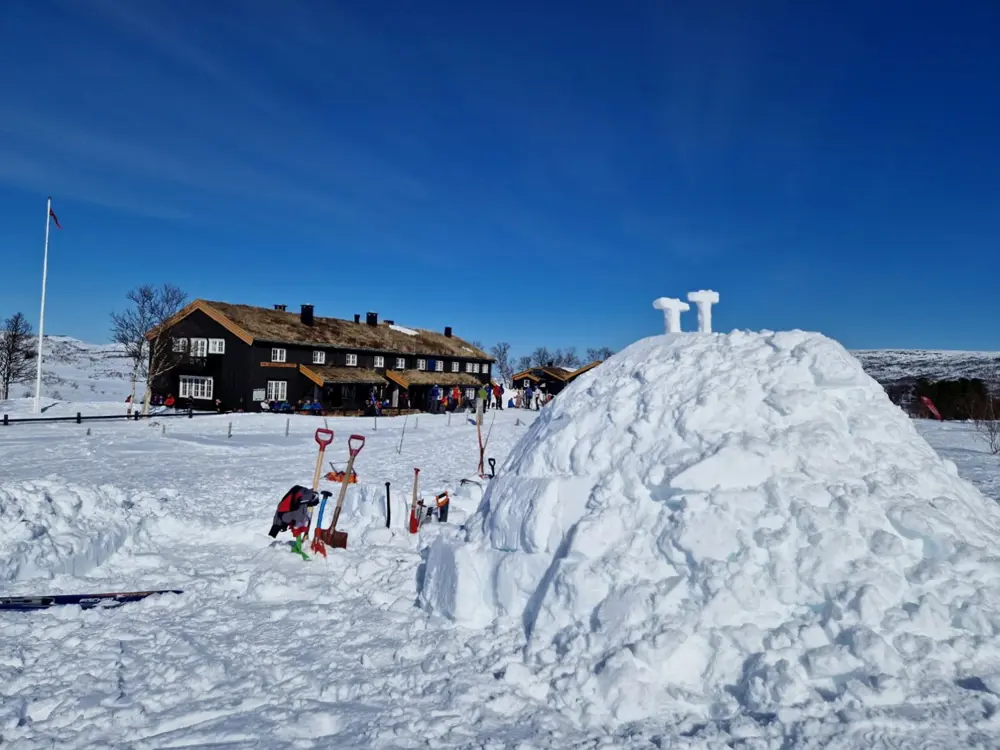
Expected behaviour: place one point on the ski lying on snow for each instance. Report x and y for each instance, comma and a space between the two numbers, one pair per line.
86, 601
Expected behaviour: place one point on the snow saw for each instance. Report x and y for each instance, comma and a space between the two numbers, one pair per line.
338, 476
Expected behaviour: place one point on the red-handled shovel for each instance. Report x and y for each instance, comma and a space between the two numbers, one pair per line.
338, 539
323, 437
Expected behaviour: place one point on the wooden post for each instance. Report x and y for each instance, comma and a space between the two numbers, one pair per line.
288, 422
79, 418
230, 430
449, 419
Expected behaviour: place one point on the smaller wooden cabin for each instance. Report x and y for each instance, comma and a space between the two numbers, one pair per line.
550, 379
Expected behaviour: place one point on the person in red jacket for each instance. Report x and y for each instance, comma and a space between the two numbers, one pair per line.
498, 395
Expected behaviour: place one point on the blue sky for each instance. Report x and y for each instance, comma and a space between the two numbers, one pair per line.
529, 172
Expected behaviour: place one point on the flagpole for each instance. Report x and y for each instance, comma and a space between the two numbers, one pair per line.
41, 317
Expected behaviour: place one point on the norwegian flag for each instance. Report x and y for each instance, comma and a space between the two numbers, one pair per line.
926, 401
54, 218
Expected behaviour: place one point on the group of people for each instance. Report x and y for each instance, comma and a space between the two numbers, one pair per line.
531, 398
440, 400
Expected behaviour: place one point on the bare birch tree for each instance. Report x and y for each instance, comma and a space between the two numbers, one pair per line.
16, 352
501, 353
139, 330
983, 409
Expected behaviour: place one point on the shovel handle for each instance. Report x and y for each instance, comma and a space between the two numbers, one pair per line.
355, 449
324, 437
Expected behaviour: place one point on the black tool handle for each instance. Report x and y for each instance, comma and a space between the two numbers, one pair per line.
493, 467
388, 510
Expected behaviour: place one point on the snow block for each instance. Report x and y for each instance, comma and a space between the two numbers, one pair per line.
722, 523
52, 528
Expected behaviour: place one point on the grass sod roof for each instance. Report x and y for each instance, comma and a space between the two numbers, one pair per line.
263, 324
556, 373
585, 368
407, 378
324, 375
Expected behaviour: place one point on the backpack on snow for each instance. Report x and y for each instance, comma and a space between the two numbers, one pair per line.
293, 511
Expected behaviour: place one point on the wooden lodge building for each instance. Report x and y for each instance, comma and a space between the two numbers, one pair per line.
550, 379
243, 355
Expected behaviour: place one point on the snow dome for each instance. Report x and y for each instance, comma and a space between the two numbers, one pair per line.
717, 523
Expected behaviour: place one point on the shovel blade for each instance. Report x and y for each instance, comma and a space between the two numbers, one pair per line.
335, 539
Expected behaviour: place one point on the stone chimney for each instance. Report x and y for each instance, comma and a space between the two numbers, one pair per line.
307, 315
372, 319
447, 331
280, 308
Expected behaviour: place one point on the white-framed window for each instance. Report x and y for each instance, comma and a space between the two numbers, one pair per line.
279, 355
439, 366
195, 386
421, 364
468, 367
400, 363
380, 361
470, 392
180, 346
475, 367
352, 360
455, 366
319, 358
216, 346
527, 383
199, 347
277, 390
486, 369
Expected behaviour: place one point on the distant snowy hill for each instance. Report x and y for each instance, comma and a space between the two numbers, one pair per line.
898, 366
73, 370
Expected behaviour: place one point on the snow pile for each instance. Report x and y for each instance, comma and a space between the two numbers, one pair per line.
403, 329
712, 524
52, 528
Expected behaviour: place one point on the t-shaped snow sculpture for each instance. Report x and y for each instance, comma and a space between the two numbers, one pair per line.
704, 299
672, 309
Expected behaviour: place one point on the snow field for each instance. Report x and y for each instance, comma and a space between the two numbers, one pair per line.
726, 525
262, 647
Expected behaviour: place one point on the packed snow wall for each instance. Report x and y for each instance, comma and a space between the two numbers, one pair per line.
52, 527
714, 523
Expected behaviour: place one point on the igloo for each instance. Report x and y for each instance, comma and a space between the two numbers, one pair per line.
725, 523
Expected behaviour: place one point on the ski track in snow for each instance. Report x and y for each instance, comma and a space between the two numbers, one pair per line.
266, 650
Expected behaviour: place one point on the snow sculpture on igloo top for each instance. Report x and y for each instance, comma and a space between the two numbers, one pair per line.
727, 524
672, 309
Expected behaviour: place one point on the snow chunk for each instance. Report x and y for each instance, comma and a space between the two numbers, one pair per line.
403, 329
52, 528
739, 521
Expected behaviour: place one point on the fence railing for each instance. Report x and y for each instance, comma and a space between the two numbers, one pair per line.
80, 418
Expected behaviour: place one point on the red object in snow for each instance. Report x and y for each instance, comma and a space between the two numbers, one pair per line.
925, 400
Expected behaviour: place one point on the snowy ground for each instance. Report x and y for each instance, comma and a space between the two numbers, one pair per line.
266, 650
